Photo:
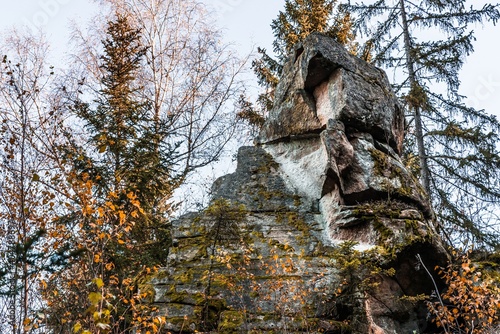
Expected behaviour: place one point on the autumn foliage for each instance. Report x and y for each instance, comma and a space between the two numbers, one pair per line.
471, 302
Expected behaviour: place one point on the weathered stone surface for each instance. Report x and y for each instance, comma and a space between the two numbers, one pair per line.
257, 184
293, 236
280, 247
346, 110
323, 81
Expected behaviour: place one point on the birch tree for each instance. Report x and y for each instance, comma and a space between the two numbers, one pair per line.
32, 242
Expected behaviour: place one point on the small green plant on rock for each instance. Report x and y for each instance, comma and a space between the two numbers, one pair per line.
359, 272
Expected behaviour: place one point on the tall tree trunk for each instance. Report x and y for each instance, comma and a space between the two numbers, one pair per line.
415, 108
13, 283
23, 304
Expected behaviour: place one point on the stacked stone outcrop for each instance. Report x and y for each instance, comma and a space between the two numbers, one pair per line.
321, 228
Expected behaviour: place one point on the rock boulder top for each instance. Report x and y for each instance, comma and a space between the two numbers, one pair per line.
322, 81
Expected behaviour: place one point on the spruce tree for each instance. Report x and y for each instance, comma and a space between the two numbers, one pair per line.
120, 176
455, 147
124, 155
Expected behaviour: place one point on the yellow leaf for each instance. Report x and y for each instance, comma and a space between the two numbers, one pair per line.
121, 242
98, 282
77, 327
87, 210
94, 298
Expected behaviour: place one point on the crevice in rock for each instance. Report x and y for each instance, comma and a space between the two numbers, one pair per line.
365, 196
331, 183
371, 195
319, 70
378, 134
409, 270
307, 135
287, 139
298, 52
384, 149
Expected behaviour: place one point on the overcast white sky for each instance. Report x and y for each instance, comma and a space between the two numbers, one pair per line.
246, 23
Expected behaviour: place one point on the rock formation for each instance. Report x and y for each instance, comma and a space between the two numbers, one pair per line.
320, 226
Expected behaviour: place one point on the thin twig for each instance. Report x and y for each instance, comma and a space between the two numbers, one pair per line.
432, 278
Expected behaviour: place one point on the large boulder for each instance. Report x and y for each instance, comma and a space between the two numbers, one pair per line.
320, 227
323, 81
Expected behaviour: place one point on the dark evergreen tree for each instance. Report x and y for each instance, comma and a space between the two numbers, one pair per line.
124, 155
456, 147
302, 17
121, 177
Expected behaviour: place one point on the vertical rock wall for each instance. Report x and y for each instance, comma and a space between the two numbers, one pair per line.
319, 227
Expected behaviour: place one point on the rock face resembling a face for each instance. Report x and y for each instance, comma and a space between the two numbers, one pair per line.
345, 108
